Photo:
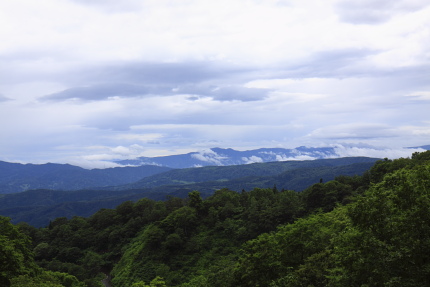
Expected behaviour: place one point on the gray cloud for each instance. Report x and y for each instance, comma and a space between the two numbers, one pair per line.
374, 11
4, 98
158, 72
111, 6
22, 66
221, 82
339, 63
239, 93
355, 131
198, 74
105, 91
225, 93
161, 79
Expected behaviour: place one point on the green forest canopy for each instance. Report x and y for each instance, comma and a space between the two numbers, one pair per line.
370, 230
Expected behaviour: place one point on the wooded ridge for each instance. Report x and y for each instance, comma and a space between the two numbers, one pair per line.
38, 207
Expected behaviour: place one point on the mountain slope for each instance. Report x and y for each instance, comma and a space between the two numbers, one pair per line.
224, 157
15, 177
225, 173
38, 207
50, 204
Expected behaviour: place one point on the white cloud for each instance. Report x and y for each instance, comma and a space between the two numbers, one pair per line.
420, 96
376, 11
297, 157
252, 159
344, 151
175, 76
353, 130
209, 156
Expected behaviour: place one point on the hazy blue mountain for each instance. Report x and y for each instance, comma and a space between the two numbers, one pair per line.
38, 207
223, 157
225, 173
297, 179
15, 177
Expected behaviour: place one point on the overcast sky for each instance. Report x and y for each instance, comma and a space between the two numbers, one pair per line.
83, 81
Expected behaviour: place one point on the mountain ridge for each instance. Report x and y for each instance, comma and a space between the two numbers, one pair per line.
38, 207
228, 156
225, 173
16, 177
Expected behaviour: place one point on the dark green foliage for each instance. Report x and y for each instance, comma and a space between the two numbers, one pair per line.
204, 235
294, 175
380, 239
18, 268
16, 257
390, 233
326, 196
38, 207
271, 257
370, 230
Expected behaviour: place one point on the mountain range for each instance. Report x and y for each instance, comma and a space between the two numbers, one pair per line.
228, 156
38, 207
16, 177
37, 194
223, 157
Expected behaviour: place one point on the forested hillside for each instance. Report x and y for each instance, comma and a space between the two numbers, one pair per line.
38, 207
314, 169
16, 177
369, 230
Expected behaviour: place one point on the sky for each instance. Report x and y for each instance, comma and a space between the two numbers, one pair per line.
90, 81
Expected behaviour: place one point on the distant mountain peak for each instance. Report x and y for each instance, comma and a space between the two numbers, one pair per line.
227, 156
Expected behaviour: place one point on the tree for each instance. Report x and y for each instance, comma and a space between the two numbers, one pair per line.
326, 195
15, 255
195, 200
285, 253
389, 240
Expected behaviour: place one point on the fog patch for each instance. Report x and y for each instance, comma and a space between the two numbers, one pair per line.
209, 156
252, 159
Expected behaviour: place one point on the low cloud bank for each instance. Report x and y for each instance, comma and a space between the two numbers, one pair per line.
209, 156
252, 159
391, 153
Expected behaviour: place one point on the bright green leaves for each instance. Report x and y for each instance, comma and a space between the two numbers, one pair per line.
15, 255
380, 239
299, 246
390, 238
260, 262
258, 238
17, 266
